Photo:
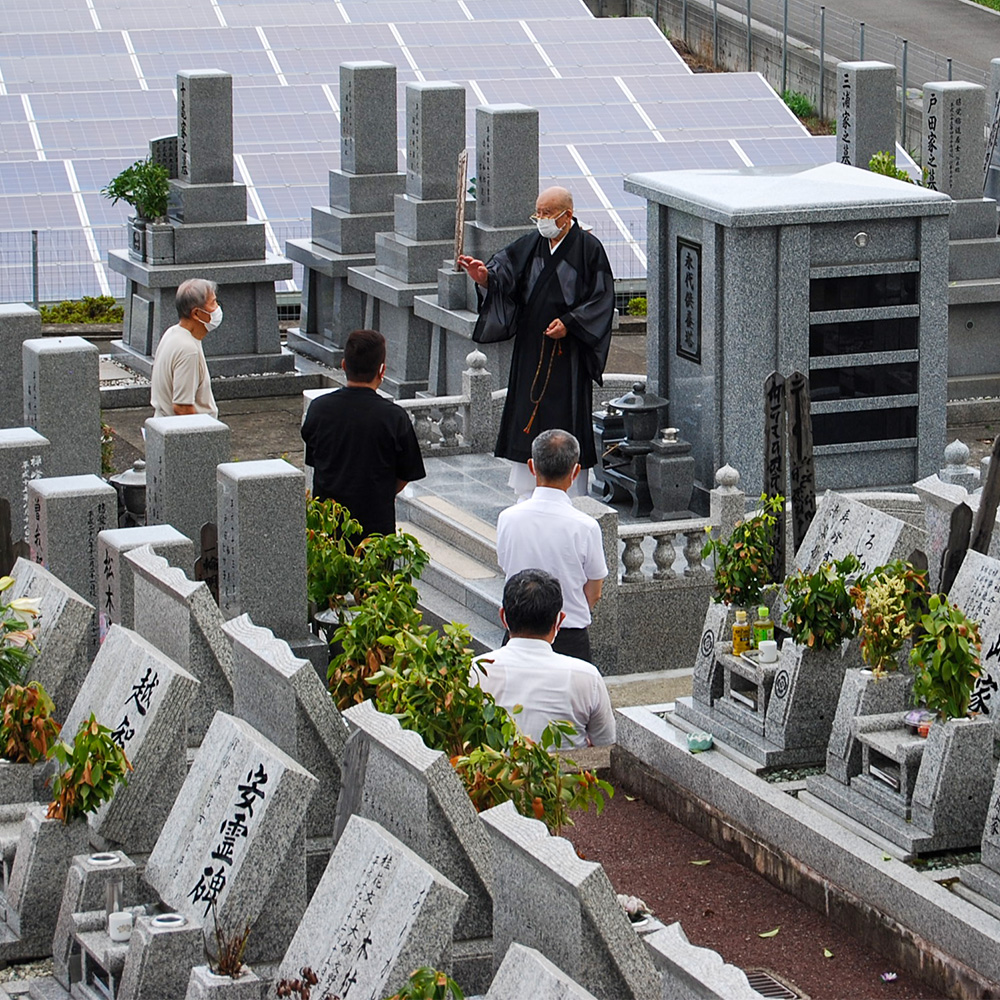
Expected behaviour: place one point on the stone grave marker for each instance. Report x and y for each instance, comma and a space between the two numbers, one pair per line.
235, 837
866, 122
66, 623
282, 697
21, 454
67, 513
954, 119
526, 972
18, 323
801, 467
392, 777
379, 912
984, 878
116, 586
143, 697
546, 897
180, 619
62, 401
181, 457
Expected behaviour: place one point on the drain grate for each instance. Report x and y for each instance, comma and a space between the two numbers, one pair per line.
767, 985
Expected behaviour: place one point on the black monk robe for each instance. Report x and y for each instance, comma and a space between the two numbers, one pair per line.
551, 381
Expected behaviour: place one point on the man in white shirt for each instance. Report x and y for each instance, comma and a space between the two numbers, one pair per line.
180, 380
527, 672
547, 531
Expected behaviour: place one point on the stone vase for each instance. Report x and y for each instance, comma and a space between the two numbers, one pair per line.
206, 985
136, 228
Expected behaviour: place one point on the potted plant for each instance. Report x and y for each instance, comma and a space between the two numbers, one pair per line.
226, 977
145, 186
890, 601
945, 659
818, 607
426, 983
28, 733
743, 560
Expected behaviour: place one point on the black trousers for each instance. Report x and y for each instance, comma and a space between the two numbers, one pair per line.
569, 642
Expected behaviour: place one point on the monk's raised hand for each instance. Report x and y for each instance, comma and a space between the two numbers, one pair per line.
475, 269
556, 329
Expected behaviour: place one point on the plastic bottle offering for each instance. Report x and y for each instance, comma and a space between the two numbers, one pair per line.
741, 633
763, 627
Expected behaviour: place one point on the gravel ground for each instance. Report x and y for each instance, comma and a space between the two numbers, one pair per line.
726, 907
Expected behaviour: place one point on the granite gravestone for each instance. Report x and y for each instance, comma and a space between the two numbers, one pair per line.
66, 623
282, 697
393, 778
954, 117
116, 586
213, 239
62, 401
506, 188
181, 457
361, 205
527, 972
21, 455
379, 912
234, 838
407, 260
546, 897
18, 323
143, 697
866, 116
180, 619
67, 514
984, 878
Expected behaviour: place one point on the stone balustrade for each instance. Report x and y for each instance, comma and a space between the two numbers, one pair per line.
672, 541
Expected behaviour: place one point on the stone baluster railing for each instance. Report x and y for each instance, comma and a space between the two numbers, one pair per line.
665, 535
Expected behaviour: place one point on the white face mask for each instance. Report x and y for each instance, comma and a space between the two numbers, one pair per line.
215, 318
548, 228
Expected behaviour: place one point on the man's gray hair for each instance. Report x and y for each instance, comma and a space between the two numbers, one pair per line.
193, 294
555, 454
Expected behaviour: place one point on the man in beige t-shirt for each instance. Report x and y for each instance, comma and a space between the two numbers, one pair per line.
180, 379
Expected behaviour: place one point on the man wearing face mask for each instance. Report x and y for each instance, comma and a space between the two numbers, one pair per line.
180, 379
553, 292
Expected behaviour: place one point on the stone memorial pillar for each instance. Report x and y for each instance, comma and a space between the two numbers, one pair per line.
181, 456
866, 114
953, 138
506, 189
361, 205
212, 238
262, 550
991, 184
18, 323
21, 451
67, 515
62, 401
407, 260
116, 586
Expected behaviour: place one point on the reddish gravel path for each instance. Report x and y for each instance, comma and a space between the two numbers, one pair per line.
724, 906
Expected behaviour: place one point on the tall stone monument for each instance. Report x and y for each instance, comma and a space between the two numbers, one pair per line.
506, 188
361, 205
211, 238
866, 113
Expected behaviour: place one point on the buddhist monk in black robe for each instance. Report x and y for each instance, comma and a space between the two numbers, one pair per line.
553, 292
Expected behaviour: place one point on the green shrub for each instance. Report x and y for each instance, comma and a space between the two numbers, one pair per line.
636, 306
89, 309
145, 186
818, 608
799, 104
885, 163
945, 659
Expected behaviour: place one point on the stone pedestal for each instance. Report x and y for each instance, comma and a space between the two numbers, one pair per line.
18, 323
21, 452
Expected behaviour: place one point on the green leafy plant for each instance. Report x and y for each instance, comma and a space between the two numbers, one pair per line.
230, 948
18, 633
636, 306
340, 571
799, 104
107, 450
426, 983
27, 730
945, 659
93, 767
885, 163
743, 560
890, 601
89, 309
145, 186
818, 607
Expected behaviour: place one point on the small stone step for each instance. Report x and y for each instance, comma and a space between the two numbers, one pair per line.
447, 555
438, 609
462, 530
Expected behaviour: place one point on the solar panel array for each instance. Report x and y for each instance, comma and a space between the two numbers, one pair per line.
85, 84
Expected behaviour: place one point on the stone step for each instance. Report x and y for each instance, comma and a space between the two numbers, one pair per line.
439, 609
463, 531
972, 259
974, 291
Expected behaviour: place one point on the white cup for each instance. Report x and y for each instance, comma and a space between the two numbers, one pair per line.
768, 651
120, 925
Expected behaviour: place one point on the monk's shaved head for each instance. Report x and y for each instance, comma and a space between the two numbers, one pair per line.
552, 201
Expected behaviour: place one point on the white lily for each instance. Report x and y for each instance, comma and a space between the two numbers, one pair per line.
26, 609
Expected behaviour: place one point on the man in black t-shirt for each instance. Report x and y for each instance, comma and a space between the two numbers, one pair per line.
361, 445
